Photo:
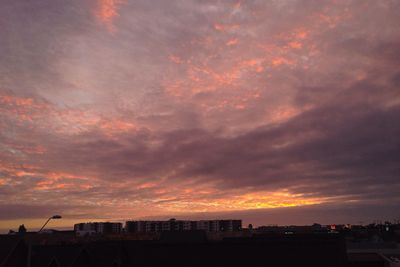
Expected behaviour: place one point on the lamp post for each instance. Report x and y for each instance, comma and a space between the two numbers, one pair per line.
30, 241
52, 217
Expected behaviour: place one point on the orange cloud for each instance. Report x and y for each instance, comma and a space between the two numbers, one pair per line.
174, 88
24, 173
226, 27
256, 64
247, 201
54, 185
281, 61
146, 185
332, 21
240, 106
300, 34
275, 199
61, 175
54, 180
202, 77
107, 11
295, 45
18, 101
250, 63
74, 121
21, 170
175, 59
285, 113
50, 180
232, 42
22, 109
210, 79
112, 127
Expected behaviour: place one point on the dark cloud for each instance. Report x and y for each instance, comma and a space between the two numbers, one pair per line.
27, 211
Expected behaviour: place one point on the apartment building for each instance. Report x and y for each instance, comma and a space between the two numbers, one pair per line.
92, 228
183, 225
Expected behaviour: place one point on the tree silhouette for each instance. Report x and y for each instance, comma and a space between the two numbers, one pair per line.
21, 229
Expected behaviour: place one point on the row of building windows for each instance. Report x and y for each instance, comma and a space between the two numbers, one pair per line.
158, 226
181, 225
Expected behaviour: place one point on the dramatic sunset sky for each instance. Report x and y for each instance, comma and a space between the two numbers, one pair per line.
270, 111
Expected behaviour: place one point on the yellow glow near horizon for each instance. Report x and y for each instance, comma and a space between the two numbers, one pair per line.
248, 201
171, 207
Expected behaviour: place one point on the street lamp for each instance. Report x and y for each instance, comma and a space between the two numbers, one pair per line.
52, 217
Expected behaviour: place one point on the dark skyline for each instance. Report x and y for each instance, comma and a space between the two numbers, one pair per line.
282, 112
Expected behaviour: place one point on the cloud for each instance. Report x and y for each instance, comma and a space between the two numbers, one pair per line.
107, 11
198, 106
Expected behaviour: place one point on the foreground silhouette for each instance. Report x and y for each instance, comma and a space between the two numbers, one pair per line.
183, 249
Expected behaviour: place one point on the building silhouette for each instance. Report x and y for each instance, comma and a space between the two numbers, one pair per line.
91, 228
183, 225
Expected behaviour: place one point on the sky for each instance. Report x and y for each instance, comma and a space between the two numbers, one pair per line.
274, 112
